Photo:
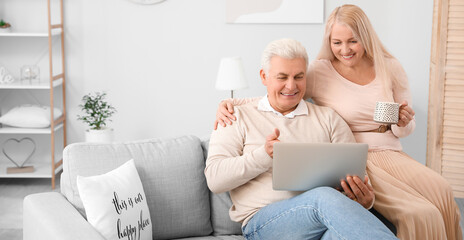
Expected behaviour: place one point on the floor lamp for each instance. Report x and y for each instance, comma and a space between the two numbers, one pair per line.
231, 75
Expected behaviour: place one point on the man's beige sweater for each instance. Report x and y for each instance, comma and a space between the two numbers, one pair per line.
237, 161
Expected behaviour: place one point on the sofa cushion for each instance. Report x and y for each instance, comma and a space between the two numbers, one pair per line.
220, 219
115, 203
172, 175
220, 205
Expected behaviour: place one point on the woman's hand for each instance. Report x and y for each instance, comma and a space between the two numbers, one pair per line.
359, 191
406, 114
224, 114
270, 140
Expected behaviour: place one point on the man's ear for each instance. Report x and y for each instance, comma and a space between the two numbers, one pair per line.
263, 76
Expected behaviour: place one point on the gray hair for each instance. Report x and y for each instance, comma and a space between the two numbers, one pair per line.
286, 48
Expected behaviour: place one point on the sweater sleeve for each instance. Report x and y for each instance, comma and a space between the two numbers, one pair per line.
241, 101
339, 129
226, 166
402, 92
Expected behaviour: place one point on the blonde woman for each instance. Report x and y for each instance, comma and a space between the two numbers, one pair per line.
352, 72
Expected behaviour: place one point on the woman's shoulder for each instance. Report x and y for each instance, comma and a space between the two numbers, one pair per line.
396, 69
319, 63
393, 63
320, 67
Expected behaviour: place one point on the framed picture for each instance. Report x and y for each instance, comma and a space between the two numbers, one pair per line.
274, 11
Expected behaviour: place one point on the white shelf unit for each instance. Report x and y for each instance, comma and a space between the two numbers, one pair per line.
42, 170
56, 32
33, 86
13, 130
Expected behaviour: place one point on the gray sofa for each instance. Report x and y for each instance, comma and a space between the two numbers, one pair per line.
181, 205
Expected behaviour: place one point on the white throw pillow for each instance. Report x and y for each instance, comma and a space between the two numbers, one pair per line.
29, 116
115, 203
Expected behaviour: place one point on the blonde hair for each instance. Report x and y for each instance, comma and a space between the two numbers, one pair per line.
286, 48
355, 19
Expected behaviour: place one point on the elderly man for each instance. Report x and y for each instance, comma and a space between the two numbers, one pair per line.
240, 160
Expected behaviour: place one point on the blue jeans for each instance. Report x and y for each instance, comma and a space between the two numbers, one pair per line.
320, 213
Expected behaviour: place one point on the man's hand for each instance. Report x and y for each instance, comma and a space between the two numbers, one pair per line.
359, 191
270, 140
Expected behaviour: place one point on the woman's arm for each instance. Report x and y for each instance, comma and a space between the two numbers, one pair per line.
402, 94
224, 114
225, 111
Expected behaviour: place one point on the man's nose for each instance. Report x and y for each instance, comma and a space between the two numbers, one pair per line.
291, 84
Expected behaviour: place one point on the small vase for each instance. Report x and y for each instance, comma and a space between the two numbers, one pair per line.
104, 135
5, 30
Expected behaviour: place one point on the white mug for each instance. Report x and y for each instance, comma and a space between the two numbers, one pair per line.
386, 112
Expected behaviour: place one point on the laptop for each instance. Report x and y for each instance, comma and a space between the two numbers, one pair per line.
303, 166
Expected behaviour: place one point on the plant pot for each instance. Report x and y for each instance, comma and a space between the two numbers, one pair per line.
5, 30
101, 136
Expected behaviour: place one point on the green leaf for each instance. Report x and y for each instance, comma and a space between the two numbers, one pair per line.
96, 110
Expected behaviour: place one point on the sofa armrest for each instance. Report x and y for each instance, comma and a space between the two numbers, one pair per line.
50, 216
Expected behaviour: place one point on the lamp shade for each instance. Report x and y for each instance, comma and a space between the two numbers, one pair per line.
231, 75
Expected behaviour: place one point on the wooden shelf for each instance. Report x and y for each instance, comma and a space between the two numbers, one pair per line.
14, 130
24, 85
41, 170
30, 34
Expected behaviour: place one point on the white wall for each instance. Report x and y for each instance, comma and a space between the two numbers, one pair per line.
158, 63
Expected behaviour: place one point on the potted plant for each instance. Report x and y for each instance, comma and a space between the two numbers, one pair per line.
97, 113
4, 26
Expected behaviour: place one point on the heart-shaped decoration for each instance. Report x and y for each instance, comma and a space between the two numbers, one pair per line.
19, 151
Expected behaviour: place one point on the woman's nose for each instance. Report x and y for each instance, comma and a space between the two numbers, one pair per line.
345, 49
